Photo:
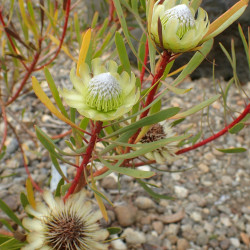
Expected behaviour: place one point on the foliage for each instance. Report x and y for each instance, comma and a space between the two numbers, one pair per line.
33, 36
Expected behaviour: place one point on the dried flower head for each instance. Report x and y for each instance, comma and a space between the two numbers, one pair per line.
105, 96
70, 225
164, 154
174, 26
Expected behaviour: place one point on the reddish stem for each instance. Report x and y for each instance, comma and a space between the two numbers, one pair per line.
155, 82
61, 135
24, 161
62, 38
9, 38
144, 62
5, 125
111, 11
217, 135
27, 75
86, 158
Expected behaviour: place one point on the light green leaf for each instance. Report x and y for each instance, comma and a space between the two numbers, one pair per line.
149, 120
55, 92
236, 128
145, 148
232, 150
10, 213
196, 108
127, 171
152, 193
123, 55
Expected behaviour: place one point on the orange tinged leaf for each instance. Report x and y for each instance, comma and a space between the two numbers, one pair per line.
226, 19
84, 49
30, 193
46, 101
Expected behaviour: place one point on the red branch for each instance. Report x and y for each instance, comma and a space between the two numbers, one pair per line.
144, 62
5, 125
9, 38
62, 38
155, 82
27, 75
217, 135
111, 11
86, 158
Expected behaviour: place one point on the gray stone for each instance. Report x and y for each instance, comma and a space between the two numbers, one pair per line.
158, 226
126, 215
143, 202
224, 244
202, 239
109, 182
182, 244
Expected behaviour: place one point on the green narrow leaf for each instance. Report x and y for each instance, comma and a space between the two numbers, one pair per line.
94, 20
122, 52
231, 150
114, 230
152, 193
236, 128
195, 138
149, 120
97, 192
244, 41
195, 61
141, 50
135, 6
122, 20
127, 171
145, 148
77, 29
197, 107
58, 188
7, 224
152, 54
246, 118
54, 92
10, 213
57, 166
24, 200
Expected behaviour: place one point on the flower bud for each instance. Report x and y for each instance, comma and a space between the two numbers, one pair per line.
175, 28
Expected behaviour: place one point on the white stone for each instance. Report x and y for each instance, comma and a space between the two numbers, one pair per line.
180, 192
196, 216
235, 242
134, 237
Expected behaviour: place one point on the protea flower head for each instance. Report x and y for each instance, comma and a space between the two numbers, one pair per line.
70, 225
164, 154
104, 96
174, 26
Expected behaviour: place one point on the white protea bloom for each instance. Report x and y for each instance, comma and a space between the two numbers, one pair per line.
164, 154
174, 26
70, 225
105, 96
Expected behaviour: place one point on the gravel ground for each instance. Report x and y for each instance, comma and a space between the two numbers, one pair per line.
212, 205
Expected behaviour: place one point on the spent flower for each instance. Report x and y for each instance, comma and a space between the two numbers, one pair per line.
174, 26
70, 225
106, 96
164, 154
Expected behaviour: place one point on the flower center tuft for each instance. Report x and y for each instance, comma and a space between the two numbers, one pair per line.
184, 15
64, 232
155, 133
104, 93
